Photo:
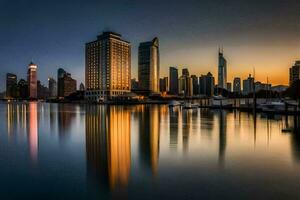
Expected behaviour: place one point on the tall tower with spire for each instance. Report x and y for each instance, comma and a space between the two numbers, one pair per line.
222, 70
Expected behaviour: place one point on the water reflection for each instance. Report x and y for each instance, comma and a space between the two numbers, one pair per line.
33, 131
108, 145
137, 151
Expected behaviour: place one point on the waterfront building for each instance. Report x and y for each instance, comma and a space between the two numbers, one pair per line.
248, 85
185, 86
237, 85
11, 86
52, 85
164, 84
195, 85
107, 67
173, 82
23, 89
42, 91
222, 71
206, 83
261, 86
67, 85
185, 72
229, 87
295, 72
148, 66
32, 80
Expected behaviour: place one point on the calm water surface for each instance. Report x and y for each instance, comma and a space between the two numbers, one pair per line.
62, 151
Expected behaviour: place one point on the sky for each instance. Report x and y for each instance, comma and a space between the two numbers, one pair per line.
260, 34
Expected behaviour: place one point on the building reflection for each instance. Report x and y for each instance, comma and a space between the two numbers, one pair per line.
186, 128
294, 125
149, 133
174, 128
222, 136
108, 147
66, 115
33, 131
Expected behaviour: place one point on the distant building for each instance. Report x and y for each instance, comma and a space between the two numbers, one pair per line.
81, 87
52, 85
185, 72
67, 86
195, 85
206, 83
279, 88
11, 85
185, 85
237, 85
173, 82
107, 67
248, 85
261, 86
42, 91
229, 87
222, 71
134, 84
164, 84
148, 66
32, 80
295, 72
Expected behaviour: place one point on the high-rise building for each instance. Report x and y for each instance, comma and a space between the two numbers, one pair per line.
23, 89
248, 85
67, 85
295, 72
11, 85
32, 80
185, 72
195, 81
42, 91
107, 67
173, 83
222, 71
52, 85
229, 87
237, 85
206, 83
185, 86
148, 66
164, 84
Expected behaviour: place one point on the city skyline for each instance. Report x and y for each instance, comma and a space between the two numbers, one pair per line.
255, 37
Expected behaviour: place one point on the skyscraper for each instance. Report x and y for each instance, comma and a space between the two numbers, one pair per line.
222, 71
32, 80
295, 72
173, 83
229, 87
237, 85
67, 85
207, 83
52, 85
148, 66
164, 84
195, 84
11, 83
248, 85
107, 67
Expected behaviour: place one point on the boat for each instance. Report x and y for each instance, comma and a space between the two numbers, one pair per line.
189, 105
174, 103
273, 106
221, 102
